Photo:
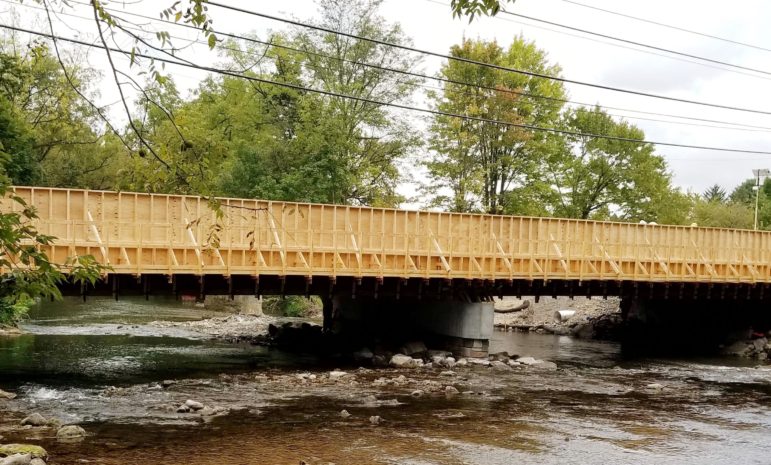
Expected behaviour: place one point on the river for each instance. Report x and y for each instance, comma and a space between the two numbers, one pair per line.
100, 364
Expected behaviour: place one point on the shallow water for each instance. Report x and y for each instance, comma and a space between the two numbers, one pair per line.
596, 409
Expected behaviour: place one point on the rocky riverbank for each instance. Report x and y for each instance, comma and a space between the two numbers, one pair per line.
594, 318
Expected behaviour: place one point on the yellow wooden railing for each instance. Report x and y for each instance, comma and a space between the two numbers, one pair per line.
171, 234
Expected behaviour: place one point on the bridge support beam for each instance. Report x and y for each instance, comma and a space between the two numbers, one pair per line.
461, 327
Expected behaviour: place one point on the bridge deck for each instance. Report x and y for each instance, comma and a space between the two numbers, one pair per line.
171, 234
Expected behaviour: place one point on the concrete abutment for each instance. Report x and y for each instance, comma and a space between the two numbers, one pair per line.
465, 328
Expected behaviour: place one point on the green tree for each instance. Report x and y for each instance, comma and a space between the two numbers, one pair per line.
722, 214
603, 178
715, 193
477, 164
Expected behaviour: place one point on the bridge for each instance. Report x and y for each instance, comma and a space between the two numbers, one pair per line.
157, 244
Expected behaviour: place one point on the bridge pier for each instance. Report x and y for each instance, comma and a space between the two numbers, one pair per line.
464, 328
669, 325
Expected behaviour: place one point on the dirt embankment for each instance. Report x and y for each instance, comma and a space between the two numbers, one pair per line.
595, 317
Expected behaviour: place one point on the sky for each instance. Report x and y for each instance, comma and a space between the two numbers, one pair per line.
431, 26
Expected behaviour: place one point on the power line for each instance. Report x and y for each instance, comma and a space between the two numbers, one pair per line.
622, 46
668, 26
740, 126
487, 65
385, 104
638, 44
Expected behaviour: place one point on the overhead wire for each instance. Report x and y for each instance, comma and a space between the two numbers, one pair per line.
739, 126
487, 65
669, 26
388, 104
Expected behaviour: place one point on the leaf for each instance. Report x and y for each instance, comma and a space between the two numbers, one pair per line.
212, 40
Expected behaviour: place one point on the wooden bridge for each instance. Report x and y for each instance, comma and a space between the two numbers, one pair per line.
238, 240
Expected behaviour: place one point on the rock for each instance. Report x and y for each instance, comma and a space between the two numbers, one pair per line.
449, 362
375, 419
401, 361
527, 360
7, 395
335, 375
183, 409
462, 362
17, 459
451, 390
37, 461
760, 343
35, 419
447, 373
739, 348
34, 451
70, 432
412, 348
379, 361
417, 393
498, 365
344, 414
761, 356
439, 353
478, 361
655, 387
500, 356
193, 405
363, 355
167, 383
543, 365
514, 363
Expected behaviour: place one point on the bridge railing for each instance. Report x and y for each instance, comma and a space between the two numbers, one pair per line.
152, 233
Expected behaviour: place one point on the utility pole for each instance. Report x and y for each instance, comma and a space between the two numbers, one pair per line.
758, 174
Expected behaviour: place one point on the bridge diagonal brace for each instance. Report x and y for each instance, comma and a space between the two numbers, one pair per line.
277, 240
558, 251
502, 253
703, 260
355, 244
192, 238
95, 231
439, 251
606, 255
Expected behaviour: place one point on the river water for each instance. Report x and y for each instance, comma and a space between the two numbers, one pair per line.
100, 363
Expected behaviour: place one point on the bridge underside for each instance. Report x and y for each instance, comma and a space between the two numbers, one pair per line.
411, 289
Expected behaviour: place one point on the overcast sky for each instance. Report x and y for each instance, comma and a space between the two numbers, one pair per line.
431, 26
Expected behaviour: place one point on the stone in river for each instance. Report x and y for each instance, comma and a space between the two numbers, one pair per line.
17, 459
34, 451
70, 432
193, 405
35, 419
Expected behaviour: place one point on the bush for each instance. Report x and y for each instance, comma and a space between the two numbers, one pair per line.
293, 306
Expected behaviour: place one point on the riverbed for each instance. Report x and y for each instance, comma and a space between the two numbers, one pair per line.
101, 364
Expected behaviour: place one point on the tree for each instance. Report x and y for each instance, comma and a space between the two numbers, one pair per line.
715, 193
722, 214
473, 8
603, 178
477, 164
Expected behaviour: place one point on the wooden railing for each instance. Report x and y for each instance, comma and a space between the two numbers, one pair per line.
170, 234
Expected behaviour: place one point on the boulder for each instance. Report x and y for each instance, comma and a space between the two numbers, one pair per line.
193, 405
35, 419
440, 353
17, 459
70, 432
335, 375
543, 365
183, 409
375, 419
655, 387
417, 393
402, 361
500, 356
498, 365
527, 360
363, 355
7, 395
461, 362
344, 414
447, 373
760, 344
412, 348
478, 361
34, 451
167, 383
451, 390
37, 461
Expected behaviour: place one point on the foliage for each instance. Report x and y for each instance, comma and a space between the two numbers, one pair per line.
473, 8
481, 162
722, 214
715, 193
292, 306
603, 178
